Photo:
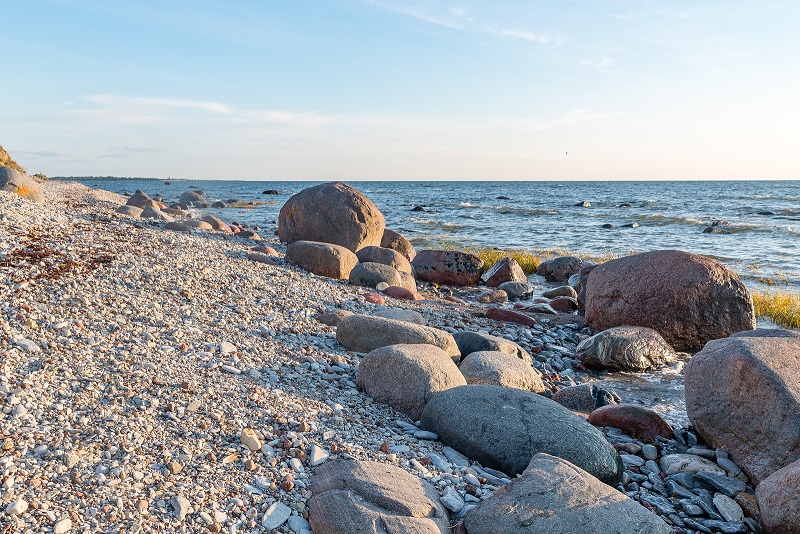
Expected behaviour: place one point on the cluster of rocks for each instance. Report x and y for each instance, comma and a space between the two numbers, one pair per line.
247, 396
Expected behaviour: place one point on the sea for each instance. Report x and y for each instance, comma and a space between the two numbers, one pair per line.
751, 226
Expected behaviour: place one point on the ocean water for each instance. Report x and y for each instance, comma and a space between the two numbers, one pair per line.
759, 221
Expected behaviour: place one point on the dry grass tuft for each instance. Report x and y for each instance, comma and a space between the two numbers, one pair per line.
781, 306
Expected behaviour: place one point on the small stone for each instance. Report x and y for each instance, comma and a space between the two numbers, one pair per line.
650, 452
287, 484
62, 526
317, 456
231, 369
452, 500
142, 506
381, 286
728, 508
250, 439
180, 506
296, 464
17, 507
250, 464
275, 516
298, 524
227, 348
28, 345
174, 467
427, 435
303, 426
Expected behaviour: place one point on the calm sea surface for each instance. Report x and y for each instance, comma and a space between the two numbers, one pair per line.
760, 219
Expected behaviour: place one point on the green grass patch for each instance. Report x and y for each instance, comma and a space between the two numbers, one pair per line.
780, 306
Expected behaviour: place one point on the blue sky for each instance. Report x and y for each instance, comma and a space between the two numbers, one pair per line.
389, 89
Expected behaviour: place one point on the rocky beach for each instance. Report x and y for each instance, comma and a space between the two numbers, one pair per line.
168, 374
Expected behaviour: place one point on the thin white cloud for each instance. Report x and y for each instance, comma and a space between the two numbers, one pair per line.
138, 110
459, 18
164, 103
597, 64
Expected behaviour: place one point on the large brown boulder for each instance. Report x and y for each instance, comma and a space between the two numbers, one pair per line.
322, 259
406, 376
20, 183
555, 496
367, 497
688, 299
779, 500
399, 243
448, 267
628, 348
743, 396
142, 200
331, 213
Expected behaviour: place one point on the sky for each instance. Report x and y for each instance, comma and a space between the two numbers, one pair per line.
402, 90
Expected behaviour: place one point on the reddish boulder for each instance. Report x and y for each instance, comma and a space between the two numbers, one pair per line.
217, 224
779, 500
322, 259
688, 299
564, 304
743, 396
374, 298
397, 242
398, 292
561, 268
505, 270
498, 295
261, 258
331, 213
448, 267
264, 249
508, 316
634, 420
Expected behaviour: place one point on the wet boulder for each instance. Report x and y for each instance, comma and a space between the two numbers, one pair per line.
634, 420
469, 342
561, 268
628, 348
333, 213
191, 198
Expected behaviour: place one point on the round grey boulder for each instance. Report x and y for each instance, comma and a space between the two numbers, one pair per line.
555, 496
400, 314
385, 256
628, 348
469, 342
501, 369
503, 428
371, 274
190, 197
363, 333
406, 376
516, 290
367, 497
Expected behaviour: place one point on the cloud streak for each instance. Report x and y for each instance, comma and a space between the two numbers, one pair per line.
537, 125
460, 18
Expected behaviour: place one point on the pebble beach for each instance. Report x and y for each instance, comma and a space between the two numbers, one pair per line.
160, 381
